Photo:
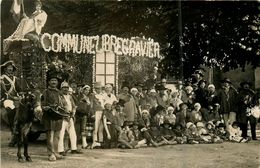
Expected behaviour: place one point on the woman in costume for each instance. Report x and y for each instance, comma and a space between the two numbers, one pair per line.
34, 23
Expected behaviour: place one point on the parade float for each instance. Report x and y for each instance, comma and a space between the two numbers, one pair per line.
83, 58
77, 57
105, 59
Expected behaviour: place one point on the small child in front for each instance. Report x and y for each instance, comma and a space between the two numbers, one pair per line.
235, 133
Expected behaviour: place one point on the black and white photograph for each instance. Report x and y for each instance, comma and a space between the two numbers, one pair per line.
130, 84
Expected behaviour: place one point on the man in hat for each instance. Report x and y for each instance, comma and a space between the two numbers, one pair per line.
245, 102
228, 102
52, 121
98, 107
10, 93
197, 76
68, 121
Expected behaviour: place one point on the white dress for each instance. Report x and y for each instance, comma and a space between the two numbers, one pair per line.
34, 23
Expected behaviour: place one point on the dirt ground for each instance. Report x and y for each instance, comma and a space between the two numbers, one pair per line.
225, 155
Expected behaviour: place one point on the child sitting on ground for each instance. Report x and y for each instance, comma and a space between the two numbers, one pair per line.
137, 135
145, 129
235, 133
192, 133
126, 138
203, 133
156, 121
143, 138
167, 135
179, 133
211, 131
221, 132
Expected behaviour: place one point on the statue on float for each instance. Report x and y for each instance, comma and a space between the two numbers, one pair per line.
29, 27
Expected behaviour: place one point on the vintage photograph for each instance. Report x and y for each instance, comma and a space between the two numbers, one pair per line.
130, 84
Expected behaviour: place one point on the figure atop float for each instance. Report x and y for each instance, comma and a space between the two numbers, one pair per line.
28, 25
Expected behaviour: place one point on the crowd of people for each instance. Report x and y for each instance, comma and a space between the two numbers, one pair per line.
139, 116
191, 113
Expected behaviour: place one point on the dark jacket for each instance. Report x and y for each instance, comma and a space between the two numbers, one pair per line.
200, 95
212, 99
245, 100
7, 91
182, 119
84, 105
228, 102
51, 97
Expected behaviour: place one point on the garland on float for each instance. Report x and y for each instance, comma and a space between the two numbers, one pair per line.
81, 44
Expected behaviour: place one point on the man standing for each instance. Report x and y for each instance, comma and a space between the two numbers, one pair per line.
9, 97
69, 106
228, 103
245, 103
52, 121
98, 107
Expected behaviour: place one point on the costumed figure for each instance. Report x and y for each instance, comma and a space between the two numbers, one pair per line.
53, 116
10, 98
32, 24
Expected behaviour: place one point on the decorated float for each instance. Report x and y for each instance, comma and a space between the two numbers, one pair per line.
85, 59
105, 54
80, 58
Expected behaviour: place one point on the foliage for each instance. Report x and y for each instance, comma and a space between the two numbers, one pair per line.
225, 35
218, 34
135, 70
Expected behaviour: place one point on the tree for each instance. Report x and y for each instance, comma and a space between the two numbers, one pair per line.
223, 35
217, 34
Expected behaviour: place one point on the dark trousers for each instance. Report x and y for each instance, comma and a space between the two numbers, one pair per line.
52, 142
147, 136
243, 127
111, 143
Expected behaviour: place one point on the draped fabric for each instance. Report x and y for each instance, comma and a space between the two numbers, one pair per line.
27, 25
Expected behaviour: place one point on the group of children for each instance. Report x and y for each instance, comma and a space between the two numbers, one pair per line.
165, 128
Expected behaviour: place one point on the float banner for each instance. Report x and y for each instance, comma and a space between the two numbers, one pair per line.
81, 44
